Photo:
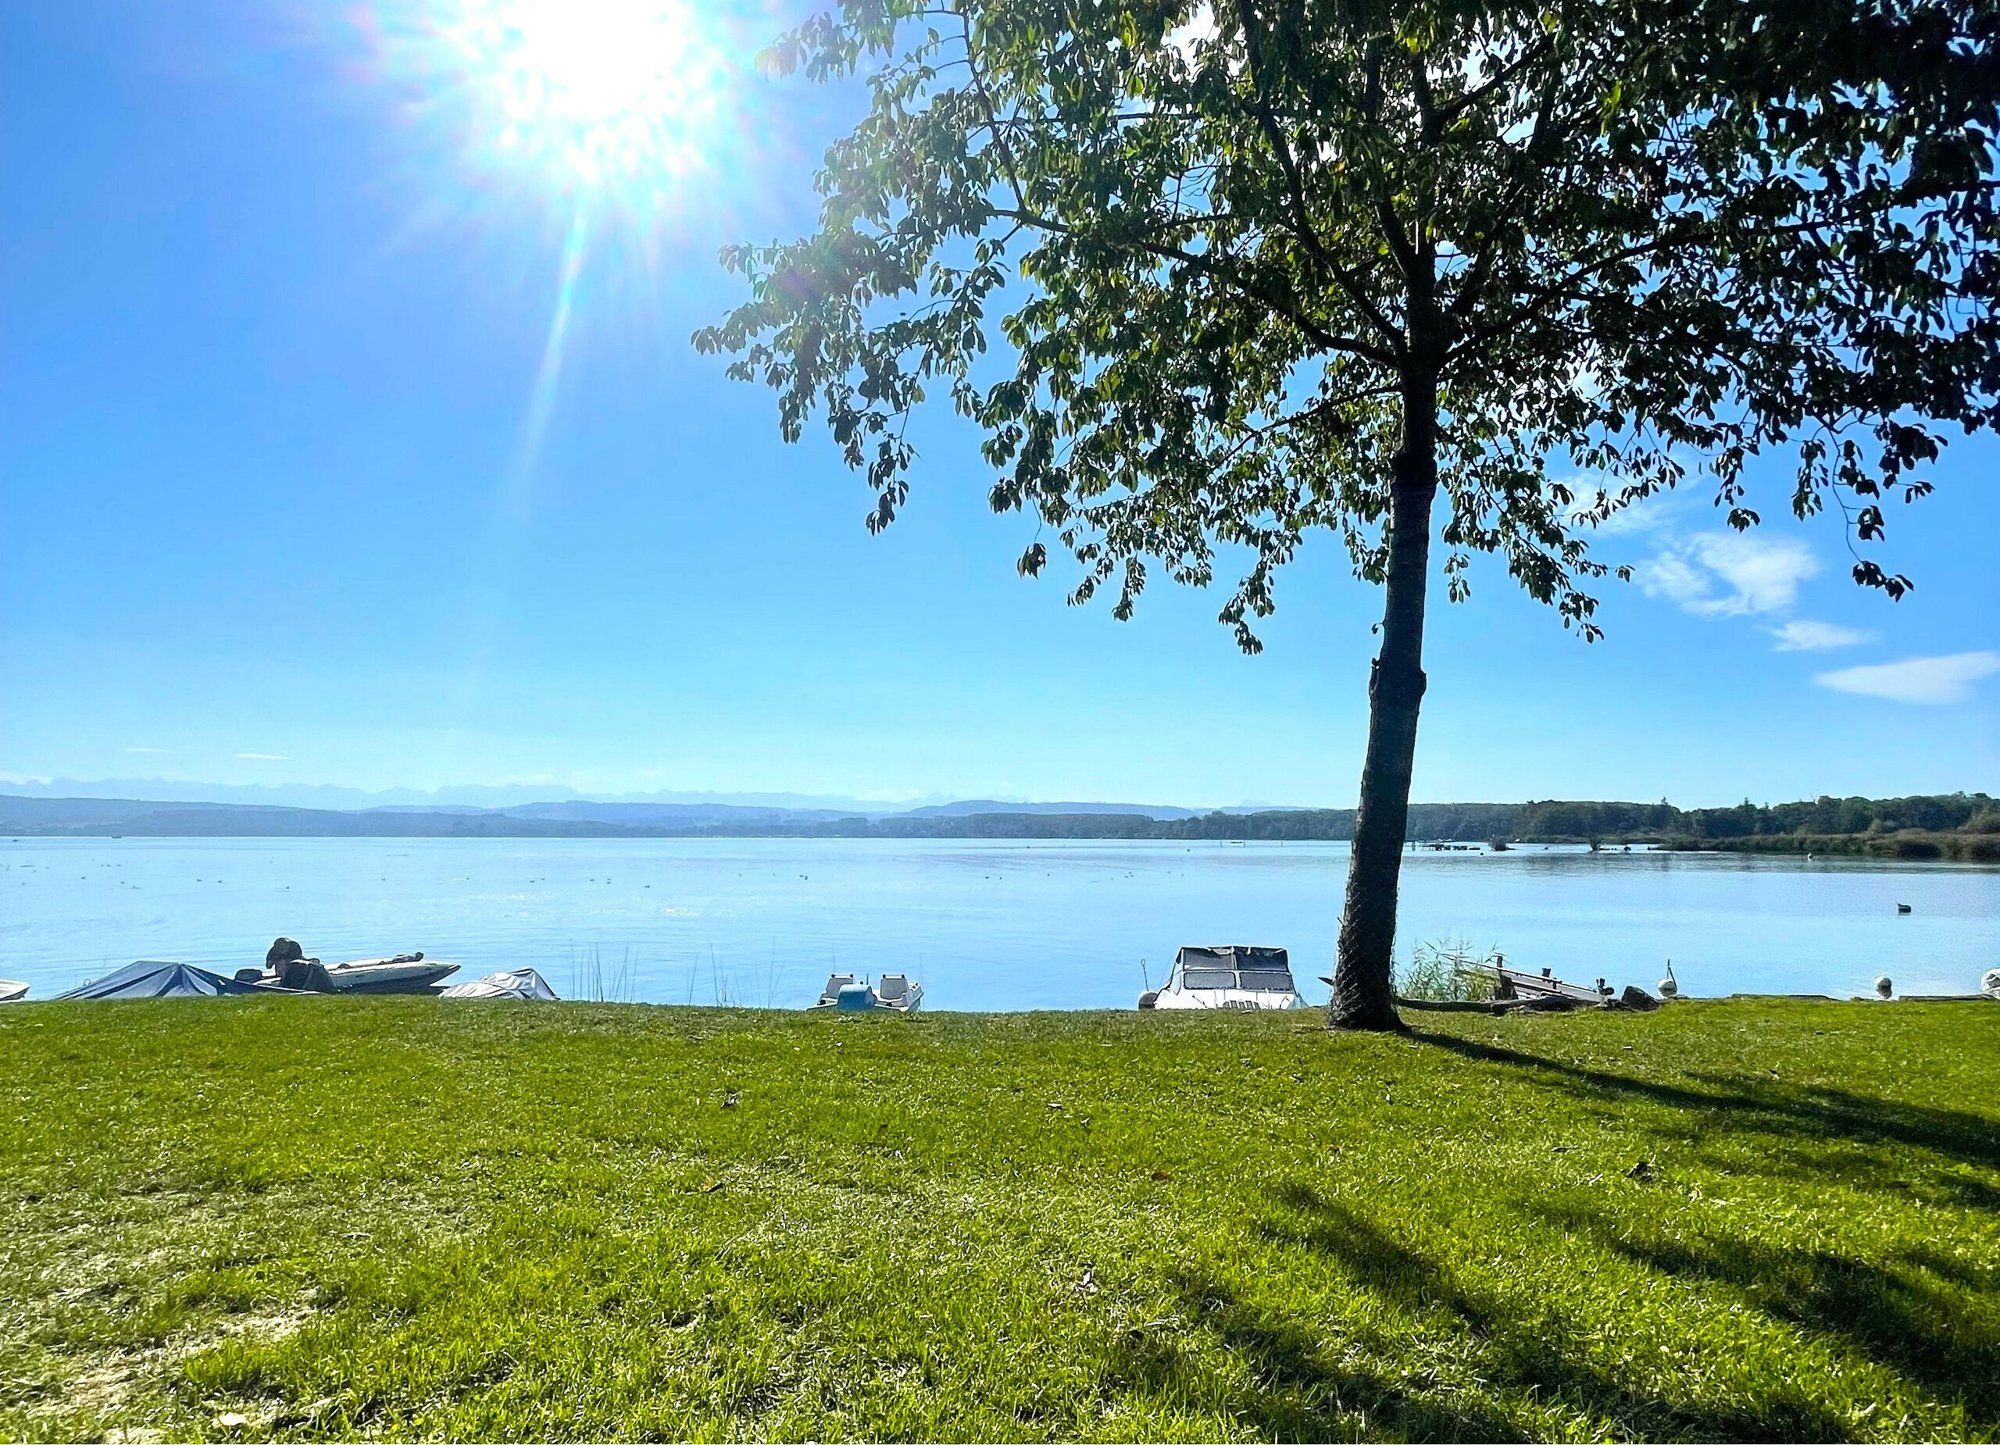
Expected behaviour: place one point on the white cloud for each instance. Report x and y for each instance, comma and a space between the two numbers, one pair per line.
1642, 515
1729, 574
1916, 679
1803, 635
1764, 572
161, 751
1199, 29
262, 757
1675, 579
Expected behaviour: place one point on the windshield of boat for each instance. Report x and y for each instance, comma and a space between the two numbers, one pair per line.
1261, 980
1274, 980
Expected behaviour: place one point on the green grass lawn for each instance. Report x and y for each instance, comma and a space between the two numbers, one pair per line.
413, 1218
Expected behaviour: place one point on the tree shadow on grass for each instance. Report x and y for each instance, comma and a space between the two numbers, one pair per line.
1940, 1337
1766, 1105
1536, 1354
1301, 1389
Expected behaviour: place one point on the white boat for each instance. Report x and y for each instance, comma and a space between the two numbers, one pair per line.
839, 983
397, 973
896, 992
1235, 977
11, 992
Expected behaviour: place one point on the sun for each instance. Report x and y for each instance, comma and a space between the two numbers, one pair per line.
607, 90
614, 97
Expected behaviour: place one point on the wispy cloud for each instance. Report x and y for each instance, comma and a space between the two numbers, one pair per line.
1927, 680
1804, 635
161, 751
1729, 574
1631, 520
262, 757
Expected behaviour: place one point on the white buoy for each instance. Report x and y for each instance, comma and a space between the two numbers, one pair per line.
1884, 988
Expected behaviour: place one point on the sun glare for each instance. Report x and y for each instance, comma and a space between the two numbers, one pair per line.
607, 90
614, 100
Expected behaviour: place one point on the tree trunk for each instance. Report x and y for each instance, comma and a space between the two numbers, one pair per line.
1363, 989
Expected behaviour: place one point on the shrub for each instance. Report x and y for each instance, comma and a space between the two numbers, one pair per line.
1448, 970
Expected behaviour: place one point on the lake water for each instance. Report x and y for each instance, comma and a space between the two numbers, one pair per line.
984, 925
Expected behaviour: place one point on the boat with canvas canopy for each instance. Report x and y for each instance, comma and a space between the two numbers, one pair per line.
1238, 977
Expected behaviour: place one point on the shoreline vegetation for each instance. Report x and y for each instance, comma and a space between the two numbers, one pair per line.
1960, 827
1909, 845
314, 1218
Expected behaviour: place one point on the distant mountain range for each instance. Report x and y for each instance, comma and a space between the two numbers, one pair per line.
977, 806
22, 815
459, 799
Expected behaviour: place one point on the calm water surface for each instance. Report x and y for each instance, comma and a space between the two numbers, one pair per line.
984, 925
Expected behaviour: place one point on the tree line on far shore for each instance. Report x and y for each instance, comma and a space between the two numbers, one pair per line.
1536, 821
1937, 825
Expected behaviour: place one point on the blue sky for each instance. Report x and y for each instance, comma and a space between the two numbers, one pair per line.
295, 489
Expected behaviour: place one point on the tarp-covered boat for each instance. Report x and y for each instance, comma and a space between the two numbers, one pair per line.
156, 978
521, 983
1235, 976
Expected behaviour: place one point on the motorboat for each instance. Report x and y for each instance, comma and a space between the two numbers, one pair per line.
398, 973
395, 973
11, 992
1236, 977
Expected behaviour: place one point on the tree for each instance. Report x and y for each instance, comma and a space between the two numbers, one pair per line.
1284, 265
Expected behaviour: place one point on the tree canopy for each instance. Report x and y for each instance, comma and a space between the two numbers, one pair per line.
1631, 238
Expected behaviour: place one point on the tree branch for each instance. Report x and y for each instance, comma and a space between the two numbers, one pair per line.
1206, 265
1294, 183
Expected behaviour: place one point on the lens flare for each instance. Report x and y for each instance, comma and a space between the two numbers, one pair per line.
617, 103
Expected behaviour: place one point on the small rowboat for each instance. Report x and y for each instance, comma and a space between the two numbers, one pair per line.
1512, 983
11, 992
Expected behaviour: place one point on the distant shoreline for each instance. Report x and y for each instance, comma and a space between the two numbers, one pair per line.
1960, 827
1905, 847
1909, 846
